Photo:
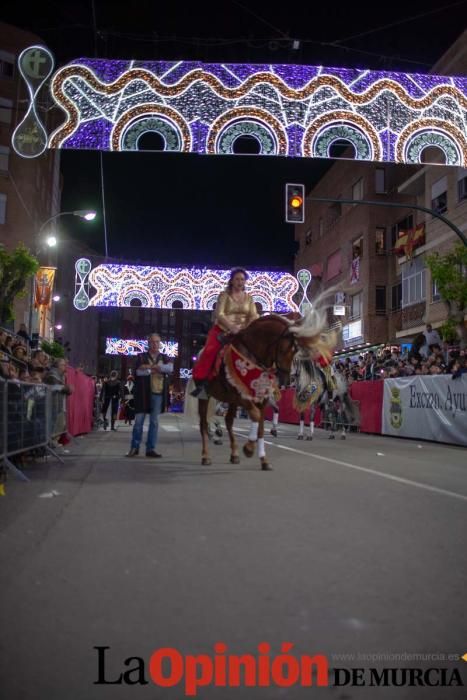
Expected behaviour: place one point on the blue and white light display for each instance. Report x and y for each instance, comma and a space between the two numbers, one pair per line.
172, 287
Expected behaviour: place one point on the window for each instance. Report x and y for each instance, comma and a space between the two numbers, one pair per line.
413, 282
356, 305
334, 266
4, 154
380, 300
435, 295
396, 297
380, 181
357, 248
2, 208
6, 69
439, 195
399, 228
357, 190
334, 213
5, 110
462, 184
380, 241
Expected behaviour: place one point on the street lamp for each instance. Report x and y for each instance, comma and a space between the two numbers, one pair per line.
51, 242
56, 297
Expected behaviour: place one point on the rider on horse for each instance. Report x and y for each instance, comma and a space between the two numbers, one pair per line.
235, 310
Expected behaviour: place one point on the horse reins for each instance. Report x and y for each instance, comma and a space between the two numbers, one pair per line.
275, 365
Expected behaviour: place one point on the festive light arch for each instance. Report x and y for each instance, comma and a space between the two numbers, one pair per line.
130, 347
432, 132
161, 287
290, 110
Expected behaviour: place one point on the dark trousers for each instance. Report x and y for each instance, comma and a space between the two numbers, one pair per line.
114, 409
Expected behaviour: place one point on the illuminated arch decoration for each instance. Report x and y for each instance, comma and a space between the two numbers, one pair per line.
35, 64
122, 346
130, 137
195, 288
432, 132
298, 108
175, 125
328, 128
244, 121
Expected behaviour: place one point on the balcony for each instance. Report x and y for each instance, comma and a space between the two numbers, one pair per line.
413, 315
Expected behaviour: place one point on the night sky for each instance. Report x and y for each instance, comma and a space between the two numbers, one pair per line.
189, 209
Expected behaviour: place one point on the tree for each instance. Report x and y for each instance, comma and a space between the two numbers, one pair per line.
449, 272
16, 267
54, 349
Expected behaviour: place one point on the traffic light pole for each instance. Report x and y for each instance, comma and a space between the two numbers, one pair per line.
397, 205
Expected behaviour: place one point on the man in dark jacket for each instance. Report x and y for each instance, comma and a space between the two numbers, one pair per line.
111, 393
151, 388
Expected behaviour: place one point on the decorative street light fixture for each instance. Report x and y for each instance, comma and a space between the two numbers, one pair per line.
51, 242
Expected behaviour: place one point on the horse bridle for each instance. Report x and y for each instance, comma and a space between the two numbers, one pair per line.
275, 365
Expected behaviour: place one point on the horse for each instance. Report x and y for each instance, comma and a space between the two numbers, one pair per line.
323, 387
246, 374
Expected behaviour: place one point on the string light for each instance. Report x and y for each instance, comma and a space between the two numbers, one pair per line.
290, 110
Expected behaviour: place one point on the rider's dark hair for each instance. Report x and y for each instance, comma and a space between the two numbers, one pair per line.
234, 272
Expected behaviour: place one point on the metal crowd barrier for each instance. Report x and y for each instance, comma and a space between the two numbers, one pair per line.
343, 418
31, 415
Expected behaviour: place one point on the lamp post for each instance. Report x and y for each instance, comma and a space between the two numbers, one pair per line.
51, 242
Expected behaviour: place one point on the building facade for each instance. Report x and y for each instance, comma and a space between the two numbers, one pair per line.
373, 257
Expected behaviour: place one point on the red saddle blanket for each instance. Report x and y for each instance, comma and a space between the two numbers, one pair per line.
252, 382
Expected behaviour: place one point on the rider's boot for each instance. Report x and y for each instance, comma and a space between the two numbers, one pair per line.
200, 385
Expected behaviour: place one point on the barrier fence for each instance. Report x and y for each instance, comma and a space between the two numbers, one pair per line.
31, 416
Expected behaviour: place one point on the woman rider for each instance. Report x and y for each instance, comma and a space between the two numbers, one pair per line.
235, 310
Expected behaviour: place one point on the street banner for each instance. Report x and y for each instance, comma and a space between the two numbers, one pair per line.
426, 407
44, 286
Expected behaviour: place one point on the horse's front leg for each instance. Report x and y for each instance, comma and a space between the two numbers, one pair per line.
229, 420
255, 415
265, 466
203, 428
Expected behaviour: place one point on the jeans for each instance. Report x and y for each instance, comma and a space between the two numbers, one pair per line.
137, 436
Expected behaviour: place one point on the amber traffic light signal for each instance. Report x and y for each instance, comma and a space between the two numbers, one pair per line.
294, 203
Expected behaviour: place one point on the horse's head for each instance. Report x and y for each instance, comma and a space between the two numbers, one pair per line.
308, 380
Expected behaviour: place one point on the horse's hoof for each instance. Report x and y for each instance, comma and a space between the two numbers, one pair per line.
266, 467
248, 451
206, 462
218, 442
235, 459
299, 437
274, 432
309, 437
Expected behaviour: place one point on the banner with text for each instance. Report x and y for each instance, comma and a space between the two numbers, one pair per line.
430, 408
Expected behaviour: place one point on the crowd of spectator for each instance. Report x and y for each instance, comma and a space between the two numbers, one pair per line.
18, 361
428, 354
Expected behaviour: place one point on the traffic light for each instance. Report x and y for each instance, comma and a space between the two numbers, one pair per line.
294, 203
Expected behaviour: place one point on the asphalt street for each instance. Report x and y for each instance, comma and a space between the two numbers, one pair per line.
347, 548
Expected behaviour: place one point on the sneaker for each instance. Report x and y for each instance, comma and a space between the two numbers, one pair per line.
152, 453
132, 453
273, 432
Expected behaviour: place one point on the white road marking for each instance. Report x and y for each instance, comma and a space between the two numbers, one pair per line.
170, 428
391, 477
